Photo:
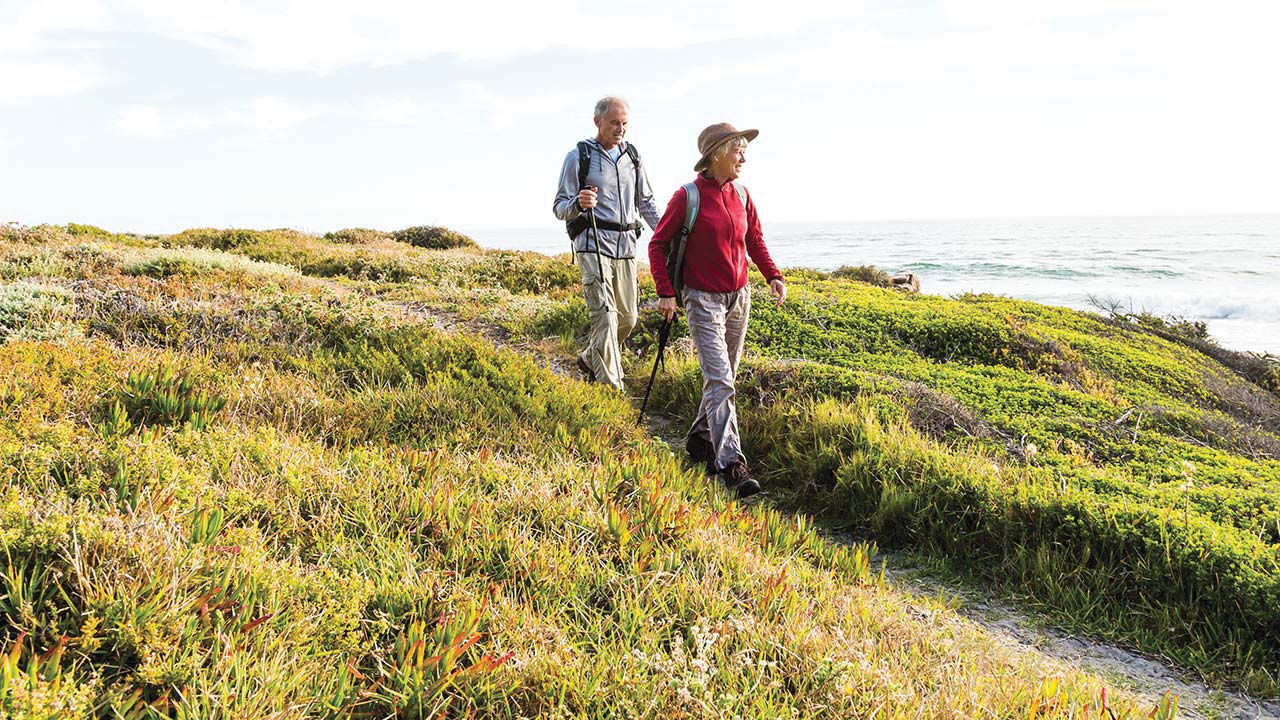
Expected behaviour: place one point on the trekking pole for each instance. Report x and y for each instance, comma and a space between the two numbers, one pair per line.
595, 233
664, 333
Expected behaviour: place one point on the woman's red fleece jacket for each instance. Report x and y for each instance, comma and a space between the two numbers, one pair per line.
715, 254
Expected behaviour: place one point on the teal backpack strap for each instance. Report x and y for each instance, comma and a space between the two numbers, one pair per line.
691, 200
675, 255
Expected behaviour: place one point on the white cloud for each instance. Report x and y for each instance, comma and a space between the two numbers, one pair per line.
270, 115
504, 111
150, 121
670, 89
1199, 57
1165, 105
1224, 61
1007, 13
41, 53
38, 27
23, 81
846, 56
394, 111
325, 35
1003, 61
1181, 55
1165, 111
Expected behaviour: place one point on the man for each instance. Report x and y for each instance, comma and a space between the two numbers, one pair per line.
713, 287
602, 196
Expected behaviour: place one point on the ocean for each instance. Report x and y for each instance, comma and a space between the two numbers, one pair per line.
1223, 270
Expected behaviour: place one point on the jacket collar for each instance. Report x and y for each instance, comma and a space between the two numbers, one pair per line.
596, 144
710, 182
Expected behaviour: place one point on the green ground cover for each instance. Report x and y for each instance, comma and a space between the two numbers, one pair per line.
1126, 482
234, 491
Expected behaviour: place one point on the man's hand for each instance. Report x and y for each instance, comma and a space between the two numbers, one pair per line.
587, 198
667, 306
779, 290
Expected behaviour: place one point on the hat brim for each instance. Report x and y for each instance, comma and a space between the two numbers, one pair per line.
705, 160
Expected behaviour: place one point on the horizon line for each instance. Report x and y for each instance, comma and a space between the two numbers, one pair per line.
954, 218
550, 225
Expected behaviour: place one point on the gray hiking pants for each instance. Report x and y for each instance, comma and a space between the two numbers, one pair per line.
718, 327
611, 305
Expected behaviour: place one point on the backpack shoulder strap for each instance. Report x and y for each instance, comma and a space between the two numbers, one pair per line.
675, 252
691, 201
584, 163
634, 153
742, 194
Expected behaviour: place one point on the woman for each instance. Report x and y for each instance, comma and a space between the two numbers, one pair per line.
715, 293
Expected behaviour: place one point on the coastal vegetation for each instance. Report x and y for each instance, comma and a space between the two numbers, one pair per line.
247, 474
1120, 472
1111, 472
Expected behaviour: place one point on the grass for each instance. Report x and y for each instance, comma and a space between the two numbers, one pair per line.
238, 491
1127, 483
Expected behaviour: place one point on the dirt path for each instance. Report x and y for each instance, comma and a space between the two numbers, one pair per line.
1146, 677
1142, 675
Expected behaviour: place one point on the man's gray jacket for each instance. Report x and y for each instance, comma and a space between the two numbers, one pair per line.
618, 200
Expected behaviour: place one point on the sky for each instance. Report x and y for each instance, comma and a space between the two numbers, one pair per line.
159, 115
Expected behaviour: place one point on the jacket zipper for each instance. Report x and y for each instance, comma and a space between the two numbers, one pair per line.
617, 181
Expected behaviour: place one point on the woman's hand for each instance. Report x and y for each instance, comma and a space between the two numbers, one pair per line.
779, 289
667, 306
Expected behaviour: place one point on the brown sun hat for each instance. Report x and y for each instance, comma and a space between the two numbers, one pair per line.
716, 135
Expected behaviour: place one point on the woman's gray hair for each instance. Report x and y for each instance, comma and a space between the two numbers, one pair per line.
725, 149
602, 105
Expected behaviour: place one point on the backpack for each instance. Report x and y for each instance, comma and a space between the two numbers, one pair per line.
582, 222
675, 251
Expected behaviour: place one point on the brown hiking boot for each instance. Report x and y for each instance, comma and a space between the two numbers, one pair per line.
587, 373
699, 448
738, 478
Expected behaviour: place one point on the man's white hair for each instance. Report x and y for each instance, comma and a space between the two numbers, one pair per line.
603, 104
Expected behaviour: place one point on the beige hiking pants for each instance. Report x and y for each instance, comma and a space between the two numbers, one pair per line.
611, 305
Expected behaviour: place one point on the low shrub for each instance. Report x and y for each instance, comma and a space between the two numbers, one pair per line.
217, 239
938, 415
164, 262
357, 236
869, 274
1193, 330
34, 311
89, 230
433, 237
1262, 370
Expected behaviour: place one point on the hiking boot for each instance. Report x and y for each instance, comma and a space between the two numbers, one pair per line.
587, 373
738, 479
698, 447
